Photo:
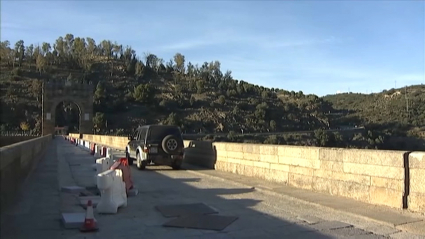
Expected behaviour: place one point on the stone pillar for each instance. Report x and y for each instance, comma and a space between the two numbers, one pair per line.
86, 123
48, 121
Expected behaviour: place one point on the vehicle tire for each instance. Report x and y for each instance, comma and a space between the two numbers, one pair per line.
129, 159
171, 144
141, 165
176, 166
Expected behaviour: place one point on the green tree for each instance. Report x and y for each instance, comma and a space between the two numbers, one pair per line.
3, 128
139, 69
36, 89
261, 111
107, 49
192, 101
144, 93
200, 86
172, 119
40, 63
273, 125
29, 54
99, 121
20, 51
231, 136
221, 99
91, 48
99, 94
45, 47
151, 61
272, 139
179, 60
321, 137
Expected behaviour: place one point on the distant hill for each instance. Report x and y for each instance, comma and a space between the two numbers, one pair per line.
402, 109
134, 89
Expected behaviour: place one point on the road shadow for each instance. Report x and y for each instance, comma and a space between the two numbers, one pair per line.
201, 153
176, 188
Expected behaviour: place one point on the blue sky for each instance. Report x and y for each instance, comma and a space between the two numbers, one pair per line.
318, 47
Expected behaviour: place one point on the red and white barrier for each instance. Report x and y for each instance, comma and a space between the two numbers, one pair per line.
103, 153
122, 164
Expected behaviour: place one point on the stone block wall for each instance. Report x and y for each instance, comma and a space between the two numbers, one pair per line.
106, 140
372, 176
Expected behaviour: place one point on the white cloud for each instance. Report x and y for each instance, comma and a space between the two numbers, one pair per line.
215, 35
12, 26
301, 42
260, 42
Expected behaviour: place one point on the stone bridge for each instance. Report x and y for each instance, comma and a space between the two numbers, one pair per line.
301, 192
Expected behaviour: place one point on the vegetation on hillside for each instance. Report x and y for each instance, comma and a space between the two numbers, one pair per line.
135, 89
402, 110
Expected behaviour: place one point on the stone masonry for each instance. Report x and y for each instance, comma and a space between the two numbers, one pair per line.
56, 91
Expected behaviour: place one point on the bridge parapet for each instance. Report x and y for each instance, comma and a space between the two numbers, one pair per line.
16, 161
416, 180
380, 177
8, 140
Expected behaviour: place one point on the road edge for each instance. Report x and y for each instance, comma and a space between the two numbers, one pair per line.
282, 195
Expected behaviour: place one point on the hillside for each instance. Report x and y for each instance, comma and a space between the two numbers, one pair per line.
402, 109
132, 89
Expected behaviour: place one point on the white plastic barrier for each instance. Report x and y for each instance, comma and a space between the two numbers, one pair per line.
87, 145
112, 191
101, 166
113, 155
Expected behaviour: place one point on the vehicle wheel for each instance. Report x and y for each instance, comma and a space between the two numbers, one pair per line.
171, 145
139, 163
176, 166
129, 159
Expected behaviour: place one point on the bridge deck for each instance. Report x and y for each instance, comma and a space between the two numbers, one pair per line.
261, 215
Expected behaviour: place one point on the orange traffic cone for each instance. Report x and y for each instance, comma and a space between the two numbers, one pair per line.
90, 224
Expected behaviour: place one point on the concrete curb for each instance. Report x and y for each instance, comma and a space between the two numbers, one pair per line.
68, 201
271, 192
